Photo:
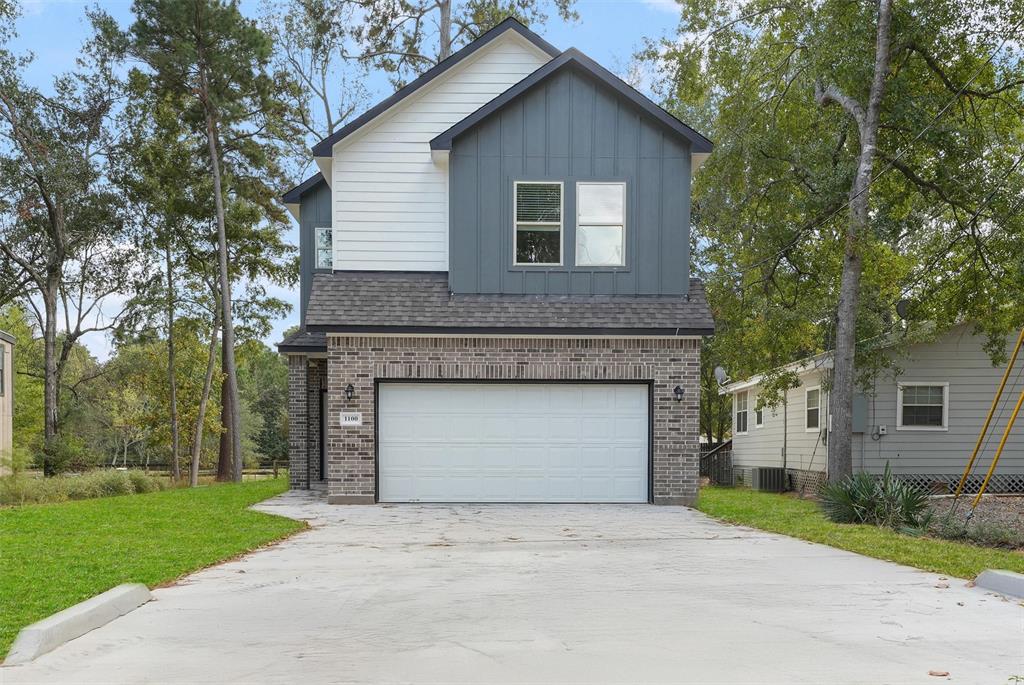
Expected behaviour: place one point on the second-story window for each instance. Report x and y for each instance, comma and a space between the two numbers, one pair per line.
538, 223
324, 246
600, 224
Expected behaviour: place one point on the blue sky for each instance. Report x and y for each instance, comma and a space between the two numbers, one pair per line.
609, 31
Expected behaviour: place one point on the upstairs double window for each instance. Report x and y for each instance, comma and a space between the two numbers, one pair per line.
600, 223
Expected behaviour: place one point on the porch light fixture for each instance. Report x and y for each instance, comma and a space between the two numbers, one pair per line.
677, 393
350, 392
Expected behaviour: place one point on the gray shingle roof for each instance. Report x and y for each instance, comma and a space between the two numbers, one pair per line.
420, 302
303, 341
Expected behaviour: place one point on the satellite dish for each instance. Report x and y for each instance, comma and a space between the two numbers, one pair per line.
720, 375
903, 308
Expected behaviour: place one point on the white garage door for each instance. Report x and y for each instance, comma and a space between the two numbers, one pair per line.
463, 442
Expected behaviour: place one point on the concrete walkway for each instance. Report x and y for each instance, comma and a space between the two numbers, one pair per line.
544, 593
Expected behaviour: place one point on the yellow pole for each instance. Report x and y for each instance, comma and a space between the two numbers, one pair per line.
988, 419
999, 450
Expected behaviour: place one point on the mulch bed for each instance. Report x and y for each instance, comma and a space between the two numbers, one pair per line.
1005, 511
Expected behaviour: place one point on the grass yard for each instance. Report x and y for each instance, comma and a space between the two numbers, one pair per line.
56, 555
802, 519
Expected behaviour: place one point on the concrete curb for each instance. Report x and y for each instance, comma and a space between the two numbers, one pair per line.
64, 626
1003, 582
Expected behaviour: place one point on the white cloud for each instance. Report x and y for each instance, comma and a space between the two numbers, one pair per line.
669, 6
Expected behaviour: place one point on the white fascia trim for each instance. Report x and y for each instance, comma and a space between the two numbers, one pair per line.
326, 166
801, 368
440, 158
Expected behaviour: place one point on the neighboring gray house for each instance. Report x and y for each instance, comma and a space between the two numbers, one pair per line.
923, 422
495, 295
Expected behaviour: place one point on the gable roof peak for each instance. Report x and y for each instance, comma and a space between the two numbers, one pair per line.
326, 146
574, 57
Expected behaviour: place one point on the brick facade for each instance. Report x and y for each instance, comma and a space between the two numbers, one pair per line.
306, 377
362, 360
316, 384
298, 422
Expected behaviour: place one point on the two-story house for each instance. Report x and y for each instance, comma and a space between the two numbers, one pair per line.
495, 293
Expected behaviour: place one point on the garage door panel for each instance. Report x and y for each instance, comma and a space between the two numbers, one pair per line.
593, 458
513, 442
564, 457
563, 428
626, 457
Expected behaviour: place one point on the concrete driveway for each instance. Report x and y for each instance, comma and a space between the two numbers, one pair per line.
545, 593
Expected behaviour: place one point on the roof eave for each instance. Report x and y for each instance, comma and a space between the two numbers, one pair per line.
679, 332
800, 367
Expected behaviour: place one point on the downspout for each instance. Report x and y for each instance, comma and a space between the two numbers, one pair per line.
785, 429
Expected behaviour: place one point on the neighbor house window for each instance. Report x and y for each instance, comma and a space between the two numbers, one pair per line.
324, 243
538, 230
600, 224
813, 404
759, 417
3, 369
922, 406
740, 425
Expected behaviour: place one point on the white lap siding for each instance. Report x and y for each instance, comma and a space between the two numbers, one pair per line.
390, 198
762, 446
958, 359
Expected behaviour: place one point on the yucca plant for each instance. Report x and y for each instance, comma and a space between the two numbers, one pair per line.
886, 501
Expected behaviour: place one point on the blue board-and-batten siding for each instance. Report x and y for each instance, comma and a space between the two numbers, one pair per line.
569, 128
314, 212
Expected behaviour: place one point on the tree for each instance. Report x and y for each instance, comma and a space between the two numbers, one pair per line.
316, 41
867, 119
715, 408
921, 157
407, 37
263, 377
163, 177
61, 222
209, 51
28, 386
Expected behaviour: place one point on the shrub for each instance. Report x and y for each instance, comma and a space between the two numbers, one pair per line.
885, 501
68, 453
20, 489
142, 482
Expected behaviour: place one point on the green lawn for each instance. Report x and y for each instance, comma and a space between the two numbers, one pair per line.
802, 519
55, 555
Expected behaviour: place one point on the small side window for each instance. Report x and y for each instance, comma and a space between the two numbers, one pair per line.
740, 425
813, 407
324, 246
538, 223
759, 417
